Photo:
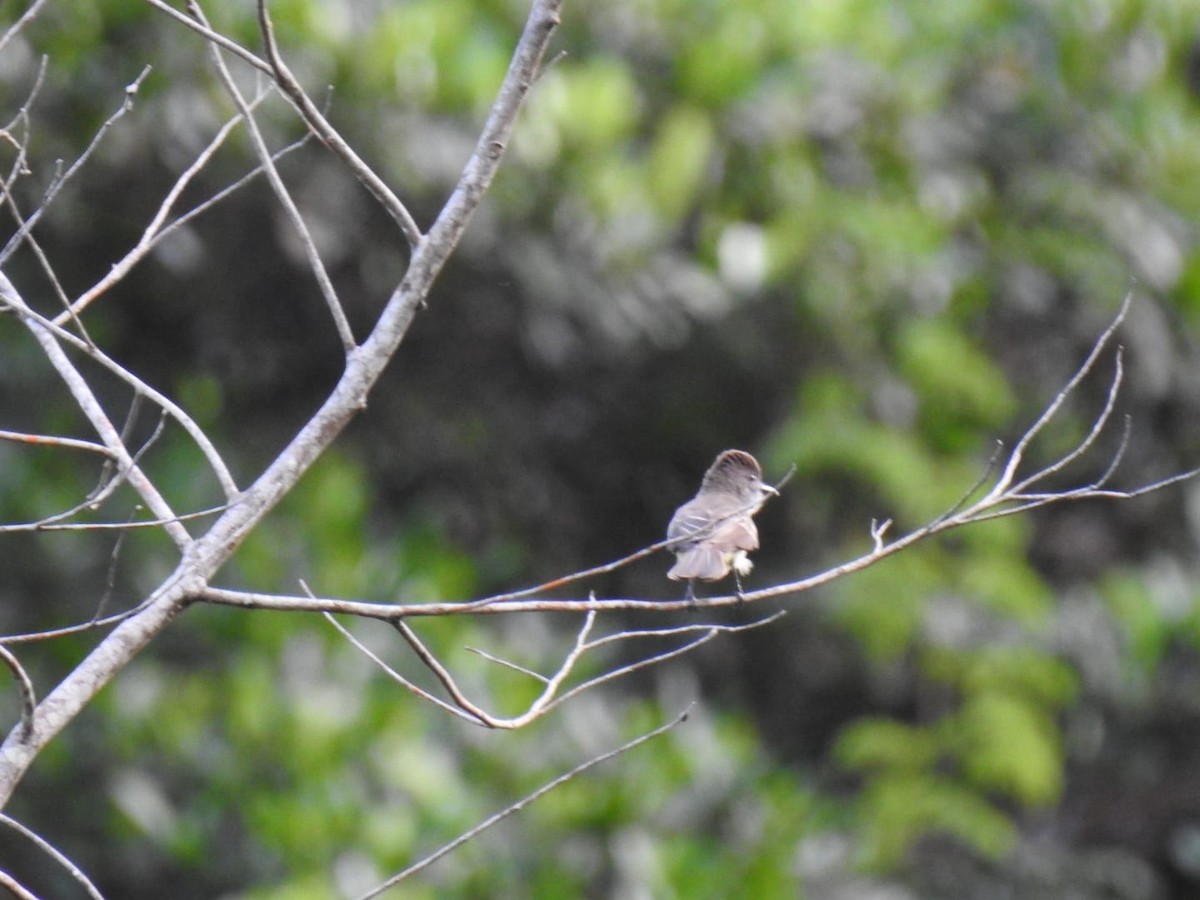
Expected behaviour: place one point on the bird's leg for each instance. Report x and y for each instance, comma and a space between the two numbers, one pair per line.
737, 583
690, 594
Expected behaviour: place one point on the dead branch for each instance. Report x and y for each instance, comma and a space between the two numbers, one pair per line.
1007, 496
320, 126
24, 685
282, 194
54, 853
552, 694
522, 803
201, 558
158, 228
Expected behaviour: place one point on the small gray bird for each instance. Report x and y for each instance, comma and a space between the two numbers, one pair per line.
712, 533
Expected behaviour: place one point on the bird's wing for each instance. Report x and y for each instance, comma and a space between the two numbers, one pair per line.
688, 525
726, 524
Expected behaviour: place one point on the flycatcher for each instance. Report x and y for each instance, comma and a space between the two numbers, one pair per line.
714, 531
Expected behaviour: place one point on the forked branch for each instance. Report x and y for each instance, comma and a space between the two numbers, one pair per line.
552, 695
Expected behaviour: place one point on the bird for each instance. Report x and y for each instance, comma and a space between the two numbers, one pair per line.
714, 532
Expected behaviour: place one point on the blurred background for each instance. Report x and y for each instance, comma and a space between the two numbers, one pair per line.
866, 238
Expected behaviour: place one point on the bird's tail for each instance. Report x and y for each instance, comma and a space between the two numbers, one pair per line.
701, 561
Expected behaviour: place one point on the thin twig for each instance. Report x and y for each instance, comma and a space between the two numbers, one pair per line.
57, 184
195, 432
282, 194
711, 631
24, 686
90, 406
1014, 460
329, 135
211, 36
966, 496
1080, 449
54, 853
26, 17
110, 583
396, 676
51, 440
51, 523
537, 676
156, 230
135, 406
521, 804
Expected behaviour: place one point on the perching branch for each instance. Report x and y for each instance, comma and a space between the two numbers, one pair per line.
1009, 495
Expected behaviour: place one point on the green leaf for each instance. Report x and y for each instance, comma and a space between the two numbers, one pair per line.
878, 743
679, 159
1010, 745
899, 809
960, 388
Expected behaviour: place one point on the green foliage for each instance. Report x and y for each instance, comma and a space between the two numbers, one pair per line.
884, 606
961, 390
896, 810
1000, 741
1147, 633
1010, 747
678, 160
913, 169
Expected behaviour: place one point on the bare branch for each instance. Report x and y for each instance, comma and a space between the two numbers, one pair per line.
521, 804
283, 195
56, 185
54, 853
90, 406
194, 431
24, 685
214, 37
26, 17
201, 558
461, 701
329, 136
550, 697
15, 887
53, 523
156, 230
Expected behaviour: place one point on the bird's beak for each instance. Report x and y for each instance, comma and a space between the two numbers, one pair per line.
770, 490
